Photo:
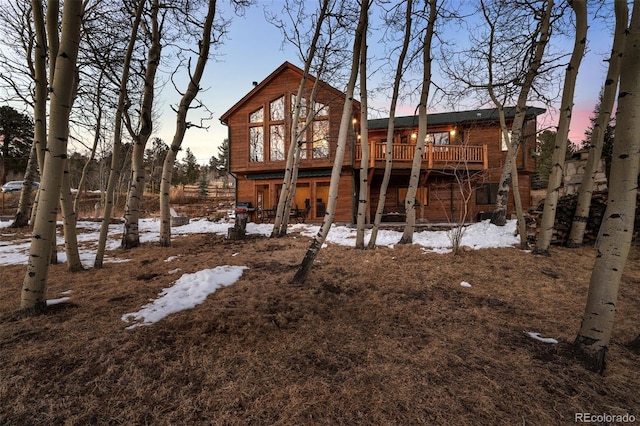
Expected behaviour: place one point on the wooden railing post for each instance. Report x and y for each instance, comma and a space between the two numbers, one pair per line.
485, 157
372, 153
430, 155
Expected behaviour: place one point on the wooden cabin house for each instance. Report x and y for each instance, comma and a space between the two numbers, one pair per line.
461, 164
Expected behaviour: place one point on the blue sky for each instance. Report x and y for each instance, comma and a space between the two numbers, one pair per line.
254, 49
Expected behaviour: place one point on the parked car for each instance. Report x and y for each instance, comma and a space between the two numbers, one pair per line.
16, 185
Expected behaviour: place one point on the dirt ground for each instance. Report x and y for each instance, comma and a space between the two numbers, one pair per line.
378, 337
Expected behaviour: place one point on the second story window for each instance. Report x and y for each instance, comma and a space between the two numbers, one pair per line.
276, 129
256, 144
438, 138
505, 140
257, 116
276, 109
276, 142
256, 136
320, 144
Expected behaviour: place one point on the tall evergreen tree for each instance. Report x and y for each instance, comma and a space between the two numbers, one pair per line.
609, 133
16, 130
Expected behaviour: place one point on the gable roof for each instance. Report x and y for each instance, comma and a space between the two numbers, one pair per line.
285, 66
476, 115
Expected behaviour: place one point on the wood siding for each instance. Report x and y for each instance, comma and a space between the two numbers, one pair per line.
473, 147
284, 84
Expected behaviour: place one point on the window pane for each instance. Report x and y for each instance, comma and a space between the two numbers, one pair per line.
276, 109
320, 109
303, 140
303, 106
256, 144
257, 116
276, 142
320, 147
440, 138
503, 141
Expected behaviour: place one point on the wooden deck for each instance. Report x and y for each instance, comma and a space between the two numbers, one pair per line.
433, 157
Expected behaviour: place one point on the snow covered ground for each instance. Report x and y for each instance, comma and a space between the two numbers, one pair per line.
477, 236
190, 290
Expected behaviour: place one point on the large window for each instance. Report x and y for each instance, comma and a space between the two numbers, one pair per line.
439, 138
256, 136
320, 144
505, 140
276, 142
276, 129
486, 193
301, 138
321, 110
303, 107
256, 144
276, 109
257, 116
313, 138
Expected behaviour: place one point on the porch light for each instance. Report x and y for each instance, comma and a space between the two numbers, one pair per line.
452, 132
414, 136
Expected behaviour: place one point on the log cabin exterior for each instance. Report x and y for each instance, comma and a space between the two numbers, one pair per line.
461, 165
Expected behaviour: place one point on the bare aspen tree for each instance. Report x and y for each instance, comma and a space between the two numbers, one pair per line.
562, 135
114, 173
593, 338
414, 179
37, 65
540, 38
343, 133
297, 132
298, 155
96, 138
141, 134
364, 178
34, 287
390, 129
506, 55
581, 215
504, 131
182, 125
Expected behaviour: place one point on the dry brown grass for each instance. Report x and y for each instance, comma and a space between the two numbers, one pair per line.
381, 337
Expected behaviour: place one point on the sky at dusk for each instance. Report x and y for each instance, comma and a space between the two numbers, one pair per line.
253, 49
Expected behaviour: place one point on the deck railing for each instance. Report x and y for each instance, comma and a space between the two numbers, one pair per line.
433, 155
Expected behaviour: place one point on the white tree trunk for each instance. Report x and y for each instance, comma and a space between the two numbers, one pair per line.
593, 339
114, 173
562, 135
343, 133
293, 154
410, 200
34, 286
581, 215
69, 220
363, 193
390, 129
131, 235
541, 37
181, 124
